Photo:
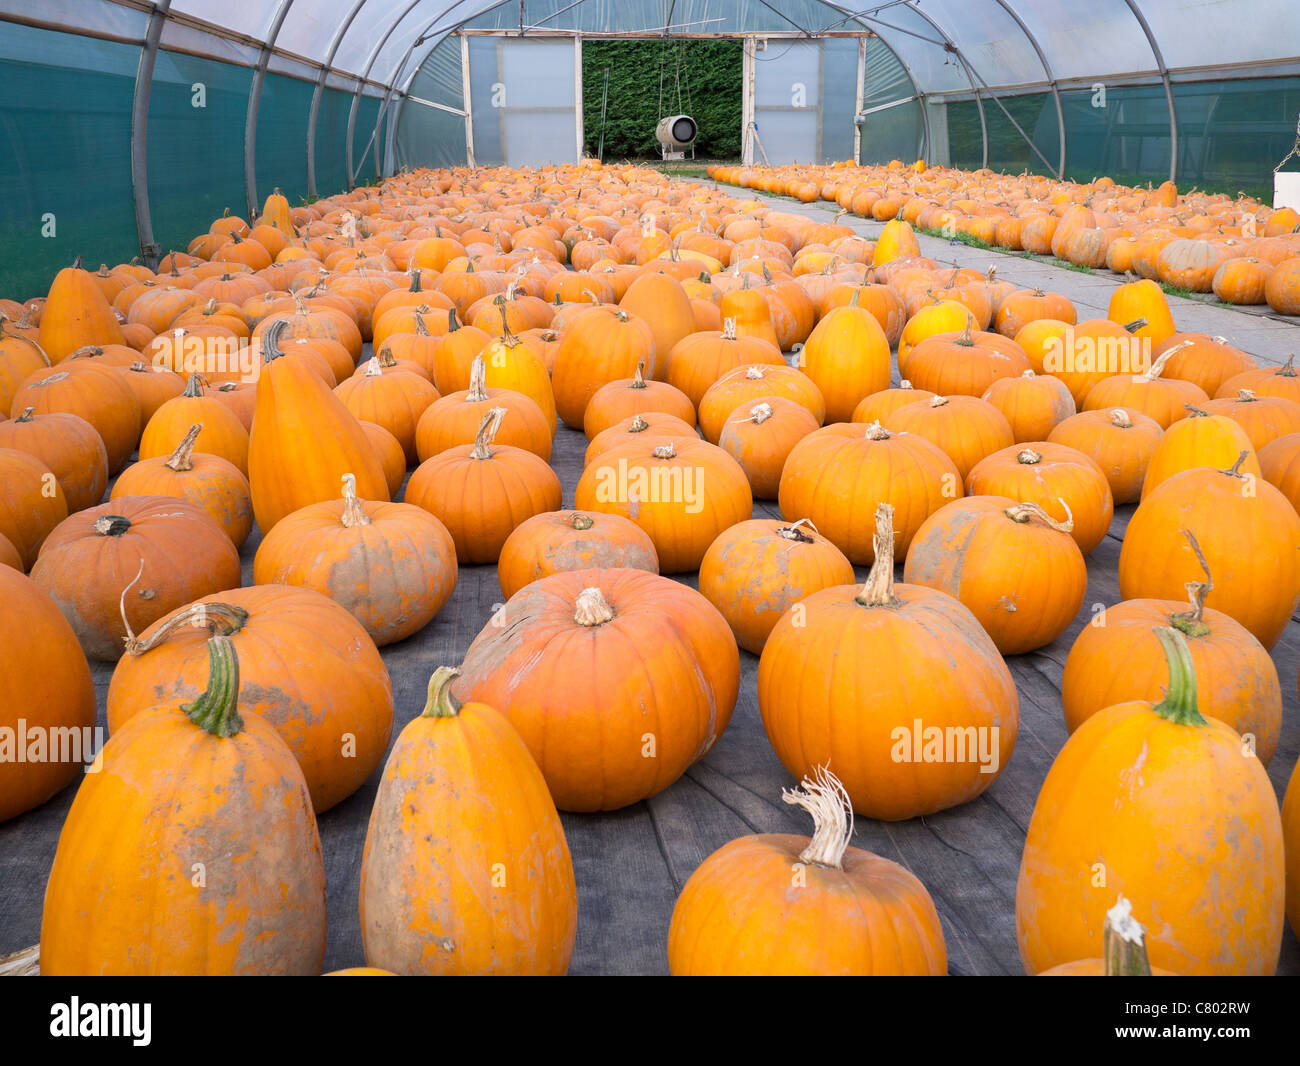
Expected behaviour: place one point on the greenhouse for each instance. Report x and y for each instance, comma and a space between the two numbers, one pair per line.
612, 487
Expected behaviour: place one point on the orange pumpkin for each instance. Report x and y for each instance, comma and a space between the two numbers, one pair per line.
32, 505
559, 541
68, 446
621, 399
75, 314
601, 345
1203, 440
1033, 404
454, 419
1119, 441
847, 358
598, 669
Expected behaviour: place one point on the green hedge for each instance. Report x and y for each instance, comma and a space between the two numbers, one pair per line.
711, 82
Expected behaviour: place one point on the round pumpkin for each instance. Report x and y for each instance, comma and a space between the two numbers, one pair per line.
68, 446
622, 399
617, 680
94, 393
559, 541
1203, 439
223, 433
744, 384
454, 419
1119, 441
864, 679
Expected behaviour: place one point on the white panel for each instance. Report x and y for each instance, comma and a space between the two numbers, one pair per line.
250, 19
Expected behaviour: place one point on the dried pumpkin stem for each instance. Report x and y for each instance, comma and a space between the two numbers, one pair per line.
1024, 511
1179, 704
879, 588
582, 522
219, 618
728, 329
1124, 943
354, 513
638, 379
217, 708
1119, 417
487, 432
271, 340
441, 703
754, 372
591, 608
182, 459
793, 532
1157, 368
638, 425
477, 381
825, 798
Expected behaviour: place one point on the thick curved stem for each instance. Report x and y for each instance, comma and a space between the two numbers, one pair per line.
217, 709
441, 703
825, 798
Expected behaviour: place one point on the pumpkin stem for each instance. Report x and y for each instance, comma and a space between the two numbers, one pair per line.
1179, 704
421, 330
441, 703
415, 280
354, 514
374, 368
111, 525
477, 381
223, 618
939, 401
1124, 943
1286, 370
795, 533
182, 459
1023, 512
27, 415
591, 609
582, 522
823, 797
638, 425
487, 431
754, 372
665, 451
271, 340
1119, 417
638, 379
758, 414
728, 329
1135, 325
217, 708
1029, 457
879, 588
1192, 623
876, 431
964, 338
1157, 368
194, 387
1235, 469
1246, 396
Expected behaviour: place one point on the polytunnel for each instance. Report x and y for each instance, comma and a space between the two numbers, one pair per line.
183, 109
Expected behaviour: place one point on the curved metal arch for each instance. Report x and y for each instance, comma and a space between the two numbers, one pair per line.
1051, 77
920, 96
970, 77
1169, 88
313, 112
254, 105
149, 250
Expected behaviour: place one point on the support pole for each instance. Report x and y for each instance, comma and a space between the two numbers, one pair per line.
149, 250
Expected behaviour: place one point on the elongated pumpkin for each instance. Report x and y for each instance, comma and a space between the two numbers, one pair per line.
465, 870
192, 850
303, 440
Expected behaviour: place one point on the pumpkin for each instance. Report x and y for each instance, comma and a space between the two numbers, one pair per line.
1241, 280
662, 303
1123, 949
683, 493
319, 320
1278, 465
1281, 289
760, 437
944, 316
1264, 418
617, 680
1105, 809
303, 438
153, 386
756, 570
94, 393
189, 785
391, 457
1116, 659
879, 405
559, 541
32, 504
1291, 835
1142, 299
394, 399
621, 399
116, 568
964, 428
1093, 351
1033, 404
224, 434
1020, 308
45, 688
240, 398
849, 913
751, 383
509, 363
481, 492
1119, 441
699, 361
600, 346
1248, 531
652, 424
75, 314
1164, 399
1204, 361
1012, 564
847, 358
862, 680
452, 359
306, 666
1200, 440
752, 314
392, 565
210, 483
1050, 474
836, 476
465, 869
1282, 381
454, 419
20, 357
965, 363
68, 446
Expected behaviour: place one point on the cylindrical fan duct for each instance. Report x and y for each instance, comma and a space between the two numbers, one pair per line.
676, 132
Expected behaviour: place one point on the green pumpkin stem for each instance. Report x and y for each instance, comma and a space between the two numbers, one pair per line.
441, 703
1179, 704
217, 709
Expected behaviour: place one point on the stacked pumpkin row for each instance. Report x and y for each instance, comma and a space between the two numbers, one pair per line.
957, 476
1241, 250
